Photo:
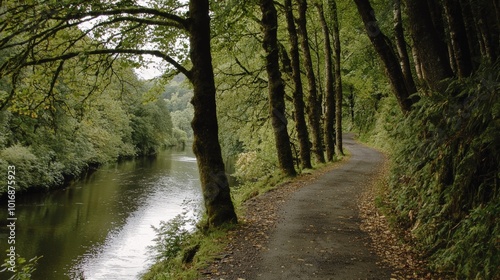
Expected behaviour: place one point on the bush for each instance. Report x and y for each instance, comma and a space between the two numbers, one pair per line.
171, 237
250, 167
30, 170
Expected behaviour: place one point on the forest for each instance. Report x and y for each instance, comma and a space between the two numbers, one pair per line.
274, 84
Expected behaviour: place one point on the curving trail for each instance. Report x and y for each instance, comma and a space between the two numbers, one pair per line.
318, 235
307, 230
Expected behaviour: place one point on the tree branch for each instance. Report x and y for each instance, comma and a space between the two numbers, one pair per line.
181, 22
147, 21
70, 55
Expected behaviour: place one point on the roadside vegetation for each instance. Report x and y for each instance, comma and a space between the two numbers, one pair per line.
443, 189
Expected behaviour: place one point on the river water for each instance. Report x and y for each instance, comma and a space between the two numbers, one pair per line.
100, 227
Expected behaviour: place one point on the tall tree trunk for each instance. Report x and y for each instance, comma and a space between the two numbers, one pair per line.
339, 150
298, 94
404, 58
206, 146
383, 47
484, 33
430, 48
329, 86
472, 33
276, 87
458, 38
314, 111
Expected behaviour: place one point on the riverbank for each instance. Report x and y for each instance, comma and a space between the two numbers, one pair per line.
43, 178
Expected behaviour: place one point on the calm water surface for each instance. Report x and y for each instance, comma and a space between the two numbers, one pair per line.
100, 227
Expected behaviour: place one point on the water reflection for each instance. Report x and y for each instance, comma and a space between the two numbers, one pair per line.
100, 228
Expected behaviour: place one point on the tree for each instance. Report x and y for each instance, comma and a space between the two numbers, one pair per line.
298, 94
125, 29
384, 48
276, 87
329, 132
314, 108
206, 145
404, 58
338, 78
458, 38
430, 49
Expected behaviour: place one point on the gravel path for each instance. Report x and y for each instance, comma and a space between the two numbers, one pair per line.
309, 229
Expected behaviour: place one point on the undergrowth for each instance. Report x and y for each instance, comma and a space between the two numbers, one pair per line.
444, 186
181, 251
22, 269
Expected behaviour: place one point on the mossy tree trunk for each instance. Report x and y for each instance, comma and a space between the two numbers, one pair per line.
314, 112
214, 183
404, 58
329, 125
430, 47
276, 87
458, 38
383, 47
298, 94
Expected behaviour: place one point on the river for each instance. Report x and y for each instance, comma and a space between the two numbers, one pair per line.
100, 227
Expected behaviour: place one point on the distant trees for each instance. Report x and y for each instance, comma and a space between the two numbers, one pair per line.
64, 138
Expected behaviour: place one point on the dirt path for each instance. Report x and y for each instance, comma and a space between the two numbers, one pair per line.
315, 233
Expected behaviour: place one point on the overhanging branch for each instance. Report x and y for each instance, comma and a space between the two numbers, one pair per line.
181, 22
70, 55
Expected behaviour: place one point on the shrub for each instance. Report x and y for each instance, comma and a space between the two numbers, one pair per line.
30, 170
250, 167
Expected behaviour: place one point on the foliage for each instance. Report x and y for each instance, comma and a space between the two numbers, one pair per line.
177, 96
151, 127
24, 268
250, 167
175, 239
445, 182
171, 237
250, 189
29, 167
74, 133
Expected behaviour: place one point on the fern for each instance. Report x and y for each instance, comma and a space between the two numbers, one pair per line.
445, 179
